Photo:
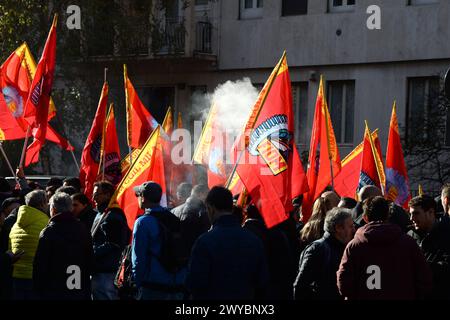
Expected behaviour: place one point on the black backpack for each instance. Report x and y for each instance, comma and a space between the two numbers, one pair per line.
174, 254
124, 278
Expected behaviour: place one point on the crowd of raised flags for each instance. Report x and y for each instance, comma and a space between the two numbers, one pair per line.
267, 168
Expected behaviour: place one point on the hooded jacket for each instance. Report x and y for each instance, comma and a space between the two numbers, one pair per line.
381, 262
24, 235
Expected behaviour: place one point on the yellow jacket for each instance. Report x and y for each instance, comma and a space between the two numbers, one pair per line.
25, 236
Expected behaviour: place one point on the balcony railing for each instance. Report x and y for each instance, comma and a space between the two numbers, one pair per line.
170, 38
203, 37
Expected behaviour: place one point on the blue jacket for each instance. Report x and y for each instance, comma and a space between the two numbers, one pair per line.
228, 262
146, 247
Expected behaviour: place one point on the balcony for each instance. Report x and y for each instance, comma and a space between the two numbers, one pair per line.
203, 39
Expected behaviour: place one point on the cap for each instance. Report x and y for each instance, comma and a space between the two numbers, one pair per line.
149, 190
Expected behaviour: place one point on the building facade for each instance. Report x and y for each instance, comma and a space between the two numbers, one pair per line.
365, 69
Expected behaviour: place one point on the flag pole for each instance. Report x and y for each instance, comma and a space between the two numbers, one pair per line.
22, 156
7, 161
125, 77
330, 157
74, 158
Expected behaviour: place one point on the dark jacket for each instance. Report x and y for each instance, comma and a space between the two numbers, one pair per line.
6, 229
381, 251
110, 235
436, 247
227, 262
6, 269
316, 278
191, 215
279, 258
64, 243
87, 216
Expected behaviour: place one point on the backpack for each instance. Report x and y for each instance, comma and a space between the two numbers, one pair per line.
123, 280
174, 254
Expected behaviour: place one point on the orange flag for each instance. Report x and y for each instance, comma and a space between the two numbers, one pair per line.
346, 182
210, 149
323, 153
90, 158
109, 168
148, 166
397, 184
272, 171
39, 96
140, 123
167, 124
372, 171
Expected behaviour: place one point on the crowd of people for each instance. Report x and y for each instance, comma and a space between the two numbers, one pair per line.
56, 243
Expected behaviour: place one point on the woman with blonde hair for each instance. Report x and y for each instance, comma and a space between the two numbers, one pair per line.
313, 229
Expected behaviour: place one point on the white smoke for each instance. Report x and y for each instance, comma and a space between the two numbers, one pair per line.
234, 100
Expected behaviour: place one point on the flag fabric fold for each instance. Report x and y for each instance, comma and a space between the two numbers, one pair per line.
210, 149
346, 182
397, 184
148, 166
372, 171
110, 151
90, 158
39, 96
140, 123
323, 153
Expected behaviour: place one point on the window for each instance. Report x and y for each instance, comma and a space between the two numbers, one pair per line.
420, 2
294, 7
423, 109
157, 99
300, 105
341, 5
341, 104
250, 9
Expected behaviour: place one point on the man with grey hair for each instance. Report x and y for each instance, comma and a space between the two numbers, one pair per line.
24, 237
316, 278
64, 257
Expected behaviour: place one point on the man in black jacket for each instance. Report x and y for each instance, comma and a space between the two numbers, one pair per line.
432, 234
316, 278
63, 262
110, 235
227, 262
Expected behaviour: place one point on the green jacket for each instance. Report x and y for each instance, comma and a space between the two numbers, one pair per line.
25, 236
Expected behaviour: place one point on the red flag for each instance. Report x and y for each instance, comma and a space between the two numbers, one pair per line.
272, 172
55, 137
140, 123
346, 182
148, 166
90, 158
39, 95
16, 75
372, 172
323, 153
397, 184
110, 151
